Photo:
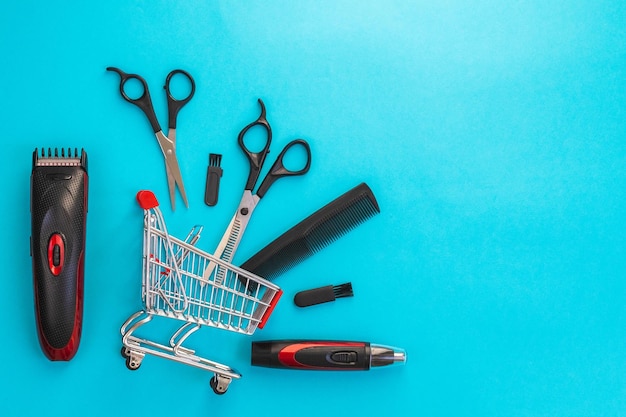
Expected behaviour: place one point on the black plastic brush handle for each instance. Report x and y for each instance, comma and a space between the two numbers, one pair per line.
315, 296
312, 355
58, 216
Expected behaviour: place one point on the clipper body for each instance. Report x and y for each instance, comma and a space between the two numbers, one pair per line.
59, 185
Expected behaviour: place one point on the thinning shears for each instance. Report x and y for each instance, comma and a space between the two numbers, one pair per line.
231, 238
167, 143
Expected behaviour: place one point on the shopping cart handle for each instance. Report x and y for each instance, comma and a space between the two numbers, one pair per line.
147, 200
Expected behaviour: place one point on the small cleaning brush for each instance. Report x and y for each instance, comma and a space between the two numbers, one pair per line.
213, 175
323, 294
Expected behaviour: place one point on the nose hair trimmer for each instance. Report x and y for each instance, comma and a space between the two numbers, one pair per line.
58, 218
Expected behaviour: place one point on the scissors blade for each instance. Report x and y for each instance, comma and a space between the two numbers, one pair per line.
171, 185
232, 237
172, 169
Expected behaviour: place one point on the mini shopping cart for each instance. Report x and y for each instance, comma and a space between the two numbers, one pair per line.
172, 286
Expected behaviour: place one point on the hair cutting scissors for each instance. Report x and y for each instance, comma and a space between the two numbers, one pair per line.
167, 143
231, 238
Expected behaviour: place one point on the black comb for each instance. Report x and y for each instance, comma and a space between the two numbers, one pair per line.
314, 233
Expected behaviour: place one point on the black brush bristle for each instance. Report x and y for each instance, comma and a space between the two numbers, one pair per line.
215, 159
314, 233
343, 290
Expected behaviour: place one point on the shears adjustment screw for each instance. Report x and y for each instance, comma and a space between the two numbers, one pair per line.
244, 211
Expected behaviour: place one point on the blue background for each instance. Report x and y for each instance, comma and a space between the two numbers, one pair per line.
492, 134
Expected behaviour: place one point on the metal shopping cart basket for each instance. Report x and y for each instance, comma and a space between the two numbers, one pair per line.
173, 287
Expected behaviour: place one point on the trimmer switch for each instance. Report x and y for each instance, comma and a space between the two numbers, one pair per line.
56, 253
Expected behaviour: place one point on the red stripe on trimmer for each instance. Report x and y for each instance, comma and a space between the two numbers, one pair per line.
287, 356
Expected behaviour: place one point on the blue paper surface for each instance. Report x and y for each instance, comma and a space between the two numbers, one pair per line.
493, 135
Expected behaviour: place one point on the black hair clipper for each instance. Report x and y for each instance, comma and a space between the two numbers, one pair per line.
58, 209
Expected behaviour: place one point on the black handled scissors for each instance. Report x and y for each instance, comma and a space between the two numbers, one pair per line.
231, 238
167, 143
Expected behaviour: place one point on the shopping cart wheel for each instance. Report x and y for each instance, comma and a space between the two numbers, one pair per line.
219, 384
133, 358
125, 354
132, 365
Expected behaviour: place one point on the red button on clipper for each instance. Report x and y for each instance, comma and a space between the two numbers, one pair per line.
56, 254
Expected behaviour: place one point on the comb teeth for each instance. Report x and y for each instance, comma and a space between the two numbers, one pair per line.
340, 222
55, 153
283, 260
58, 157
314, 233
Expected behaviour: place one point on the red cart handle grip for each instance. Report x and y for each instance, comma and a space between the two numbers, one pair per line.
147, 200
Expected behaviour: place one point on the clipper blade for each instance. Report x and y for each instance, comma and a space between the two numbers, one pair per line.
55, 157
